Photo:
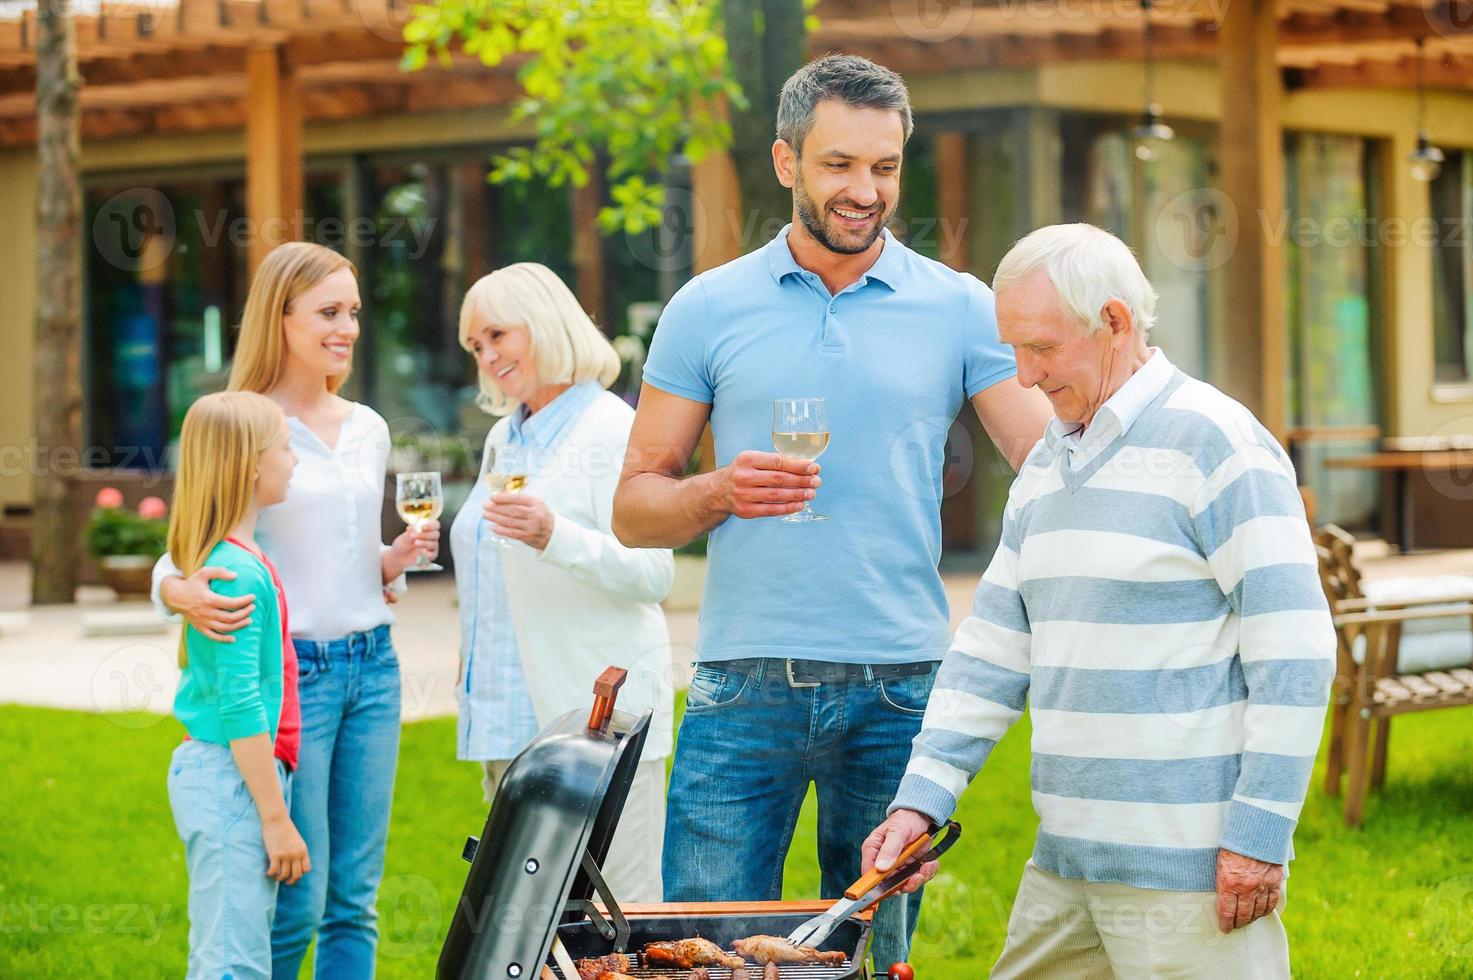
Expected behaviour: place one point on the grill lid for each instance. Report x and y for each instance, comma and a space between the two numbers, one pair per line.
536, 863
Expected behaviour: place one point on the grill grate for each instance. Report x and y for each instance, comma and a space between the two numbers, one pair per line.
789, 971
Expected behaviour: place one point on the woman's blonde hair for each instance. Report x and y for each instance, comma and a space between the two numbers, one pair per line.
569, 348
220, 447
286, 273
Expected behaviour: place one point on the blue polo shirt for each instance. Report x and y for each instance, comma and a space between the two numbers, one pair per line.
896, 354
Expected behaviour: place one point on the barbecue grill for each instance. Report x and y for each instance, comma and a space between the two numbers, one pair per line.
535, 870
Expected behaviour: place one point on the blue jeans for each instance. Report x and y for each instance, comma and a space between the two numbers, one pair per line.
340, 804
750, 744
231, 900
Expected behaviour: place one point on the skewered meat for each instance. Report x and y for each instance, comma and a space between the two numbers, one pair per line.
598, 968
771, 972
775, 949
686, 953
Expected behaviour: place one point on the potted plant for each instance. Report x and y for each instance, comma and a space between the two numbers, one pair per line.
127, 543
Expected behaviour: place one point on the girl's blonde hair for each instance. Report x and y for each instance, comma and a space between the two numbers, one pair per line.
220, 447
286, 273
568, 346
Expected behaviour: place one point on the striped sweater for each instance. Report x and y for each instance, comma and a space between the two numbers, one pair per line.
1155, 599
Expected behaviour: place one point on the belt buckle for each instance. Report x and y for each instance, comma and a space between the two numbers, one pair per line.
794, 682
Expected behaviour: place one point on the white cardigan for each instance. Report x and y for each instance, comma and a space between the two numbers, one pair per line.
587, 602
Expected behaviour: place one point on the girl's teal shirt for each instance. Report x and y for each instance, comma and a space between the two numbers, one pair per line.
229, 691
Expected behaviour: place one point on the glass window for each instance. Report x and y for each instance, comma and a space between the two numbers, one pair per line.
1330, 274
164, 279
1452, 270
1105, 184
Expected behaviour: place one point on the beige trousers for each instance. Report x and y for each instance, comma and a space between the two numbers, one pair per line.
1067, 928
632, 868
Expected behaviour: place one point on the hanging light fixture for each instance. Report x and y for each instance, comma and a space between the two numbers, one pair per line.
1151, 132
1426, 159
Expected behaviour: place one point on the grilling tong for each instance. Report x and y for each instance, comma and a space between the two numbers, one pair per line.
877, 885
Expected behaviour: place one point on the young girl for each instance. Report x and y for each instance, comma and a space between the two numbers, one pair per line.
230, 781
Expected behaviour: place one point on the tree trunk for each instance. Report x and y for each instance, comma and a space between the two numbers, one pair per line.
765, 43
58, 396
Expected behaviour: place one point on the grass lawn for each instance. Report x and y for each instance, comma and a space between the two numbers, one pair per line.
92, 876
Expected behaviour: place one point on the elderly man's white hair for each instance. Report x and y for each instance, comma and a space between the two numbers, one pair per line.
1088, 267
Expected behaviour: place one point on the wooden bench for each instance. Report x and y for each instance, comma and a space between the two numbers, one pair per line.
1380, 672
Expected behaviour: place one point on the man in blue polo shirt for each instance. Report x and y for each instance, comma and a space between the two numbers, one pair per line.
818, 641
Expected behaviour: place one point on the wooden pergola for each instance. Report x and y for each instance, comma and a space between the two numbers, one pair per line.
268, 66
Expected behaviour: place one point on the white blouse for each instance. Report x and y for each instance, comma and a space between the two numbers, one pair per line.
584, 603
325, 538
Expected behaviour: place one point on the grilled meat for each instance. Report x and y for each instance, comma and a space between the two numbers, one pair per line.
771, 972
739, 973
613, 976
686, 953
699, 973
775, 949
601, 967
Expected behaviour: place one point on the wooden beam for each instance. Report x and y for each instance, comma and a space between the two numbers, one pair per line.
588, 248
1446, 73
953, 211
273, 152
1252, 178
716, 199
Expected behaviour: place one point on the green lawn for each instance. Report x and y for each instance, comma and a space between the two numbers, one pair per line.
92, 874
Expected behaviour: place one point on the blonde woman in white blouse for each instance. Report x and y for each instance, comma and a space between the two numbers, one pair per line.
542, 618
296, 347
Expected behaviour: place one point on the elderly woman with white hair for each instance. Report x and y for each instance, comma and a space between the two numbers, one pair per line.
548, 595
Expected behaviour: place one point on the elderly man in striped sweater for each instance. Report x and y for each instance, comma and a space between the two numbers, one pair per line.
1155, 598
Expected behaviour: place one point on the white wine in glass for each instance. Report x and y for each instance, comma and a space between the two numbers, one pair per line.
418, 499
504, 468
800, 428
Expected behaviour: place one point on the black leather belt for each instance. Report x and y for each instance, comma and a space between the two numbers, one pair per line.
812, 673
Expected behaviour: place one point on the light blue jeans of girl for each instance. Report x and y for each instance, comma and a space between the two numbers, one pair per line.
231, 901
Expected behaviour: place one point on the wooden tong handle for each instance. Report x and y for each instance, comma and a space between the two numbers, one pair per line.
876, 876
605, 693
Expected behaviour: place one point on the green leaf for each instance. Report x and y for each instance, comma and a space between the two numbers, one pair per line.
414, 58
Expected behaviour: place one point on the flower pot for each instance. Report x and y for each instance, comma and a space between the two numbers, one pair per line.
130, 576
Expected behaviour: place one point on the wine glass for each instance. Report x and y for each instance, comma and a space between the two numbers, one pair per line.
504, 468
800, 428
419, 500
